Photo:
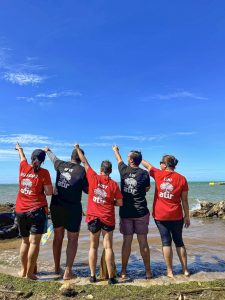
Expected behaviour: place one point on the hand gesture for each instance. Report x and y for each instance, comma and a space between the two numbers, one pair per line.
46, 149
77, 146
17, 146
115, 148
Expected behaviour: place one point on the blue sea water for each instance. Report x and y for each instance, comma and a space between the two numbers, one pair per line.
198, 191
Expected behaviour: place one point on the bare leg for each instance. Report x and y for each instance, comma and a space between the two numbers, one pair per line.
182, 254
57, 247
109, 255
145, 253
24, 248
33, 254
126, 249
71, 251
93, 252
168, 256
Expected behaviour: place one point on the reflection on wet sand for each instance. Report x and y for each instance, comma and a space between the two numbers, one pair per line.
204, 240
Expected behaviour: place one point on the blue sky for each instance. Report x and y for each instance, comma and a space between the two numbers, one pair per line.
146, 75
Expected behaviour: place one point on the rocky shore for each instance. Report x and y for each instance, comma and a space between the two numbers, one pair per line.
7, 207
210, 210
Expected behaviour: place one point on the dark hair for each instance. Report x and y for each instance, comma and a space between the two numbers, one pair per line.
170, 161
106, 167
75, 156
136, 156
37, 158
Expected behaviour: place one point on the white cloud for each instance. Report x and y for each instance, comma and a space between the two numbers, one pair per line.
23, 78
176, 95
24, 73
131, 137
24, 139
47, 98
59, 94
142, 138
186, 133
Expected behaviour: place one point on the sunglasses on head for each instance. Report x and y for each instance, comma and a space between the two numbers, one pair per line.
162, 162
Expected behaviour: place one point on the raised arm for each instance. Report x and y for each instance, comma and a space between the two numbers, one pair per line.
51, 155
146, 164
185, 205
82, 157
20, 151
117, 153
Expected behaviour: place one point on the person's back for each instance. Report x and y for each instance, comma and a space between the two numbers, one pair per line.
134, 182
101, 197
70, 182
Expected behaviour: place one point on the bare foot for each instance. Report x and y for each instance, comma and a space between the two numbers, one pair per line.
148, 275
32, 277
68, 274
22, 273
170, 275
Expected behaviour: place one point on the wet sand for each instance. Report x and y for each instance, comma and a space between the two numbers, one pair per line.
204, 240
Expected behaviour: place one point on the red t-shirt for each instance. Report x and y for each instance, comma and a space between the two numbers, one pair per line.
31, 188
168, 189
102, 193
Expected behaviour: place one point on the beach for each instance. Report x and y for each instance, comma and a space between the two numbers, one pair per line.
204, 240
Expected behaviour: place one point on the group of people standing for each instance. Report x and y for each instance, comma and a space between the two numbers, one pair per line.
170, 209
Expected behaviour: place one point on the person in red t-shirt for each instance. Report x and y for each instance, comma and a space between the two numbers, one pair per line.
31, 208
170, 201
103, 195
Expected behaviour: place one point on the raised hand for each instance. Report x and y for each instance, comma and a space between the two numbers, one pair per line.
115, 148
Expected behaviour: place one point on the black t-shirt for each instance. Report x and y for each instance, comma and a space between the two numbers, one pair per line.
133, 187
70, 182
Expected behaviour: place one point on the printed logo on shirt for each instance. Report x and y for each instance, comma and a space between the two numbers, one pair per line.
22, 174
168, 179
130, 186
166, 189
64, 178
26, 185
99, 195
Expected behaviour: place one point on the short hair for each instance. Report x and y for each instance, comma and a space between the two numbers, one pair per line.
75, 156
106, 167
136, 156
170, 161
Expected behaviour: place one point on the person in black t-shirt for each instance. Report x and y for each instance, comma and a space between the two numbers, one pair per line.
134, 214
66, 207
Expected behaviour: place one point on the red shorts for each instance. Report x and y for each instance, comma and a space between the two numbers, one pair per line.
130, 226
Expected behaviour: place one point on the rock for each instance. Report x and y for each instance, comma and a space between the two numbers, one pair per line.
7, 207
210, 210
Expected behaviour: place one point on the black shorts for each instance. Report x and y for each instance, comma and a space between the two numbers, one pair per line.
171, 230
70, 219
32, 222
96, 225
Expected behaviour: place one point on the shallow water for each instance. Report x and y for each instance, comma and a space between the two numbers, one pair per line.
204, 240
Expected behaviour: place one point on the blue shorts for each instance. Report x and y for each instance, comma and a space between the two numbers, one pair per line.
32, 222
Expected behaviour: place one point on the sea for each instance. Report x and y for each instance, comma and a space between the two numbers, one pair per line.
204, 240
